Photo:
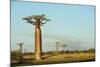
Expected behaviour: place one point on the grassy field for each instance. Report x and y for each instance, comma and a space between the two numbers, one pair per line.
54, 57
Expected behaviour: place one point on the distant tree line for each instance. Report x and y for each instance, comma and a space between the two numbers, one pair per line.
16, 55
70, 51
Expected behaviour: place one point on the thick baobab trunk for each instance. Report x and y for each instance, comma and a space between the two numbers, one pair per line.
37, 20
38, 43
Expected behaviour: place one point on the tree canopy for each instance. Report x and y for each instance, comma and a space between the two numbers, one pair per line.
36, 19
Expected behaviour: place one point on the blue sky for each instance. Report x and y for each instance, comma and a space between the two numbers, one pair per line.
72, 25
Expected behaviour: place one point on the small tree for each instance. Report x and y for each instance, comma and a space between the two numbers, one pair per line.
20, 51
57, 46
64, 46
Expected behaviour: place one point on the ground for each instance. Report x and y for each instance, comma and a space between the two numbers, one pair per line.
55, 58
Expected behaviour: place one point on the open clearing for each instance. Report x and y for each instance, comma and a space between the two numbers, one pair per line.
55, 58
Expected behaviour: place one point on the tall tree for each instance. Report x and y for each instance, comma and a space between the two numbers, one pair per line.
37, 20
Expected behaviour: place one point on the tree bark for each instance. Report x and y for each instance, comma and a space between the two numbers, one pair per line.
38, 43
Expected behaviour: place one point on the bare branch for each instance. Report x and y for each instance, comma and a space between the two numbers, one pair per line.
34, 18
29, 20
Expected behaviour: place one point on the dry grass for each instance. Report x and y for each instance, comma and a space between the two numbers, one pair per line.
58, 58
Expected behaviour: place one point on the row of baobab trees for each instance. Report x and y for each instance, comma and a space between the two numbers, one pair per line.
58, 47
20, 50
37, 21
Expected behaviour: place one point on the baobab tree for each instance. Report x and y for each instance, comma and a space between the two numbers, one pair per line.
37, 20
57, 46
20, 50
64, 46
21, 46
